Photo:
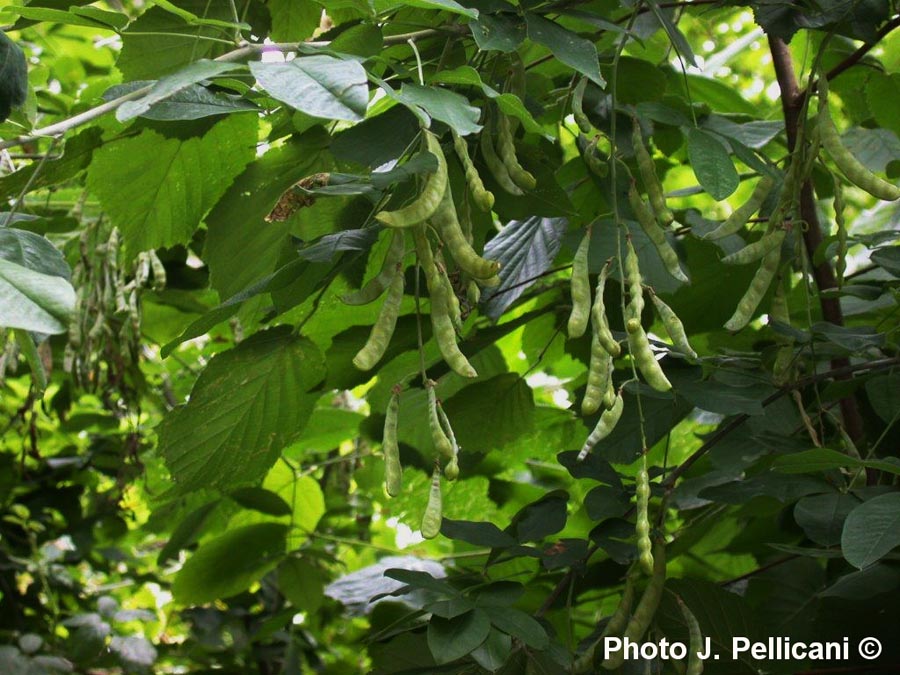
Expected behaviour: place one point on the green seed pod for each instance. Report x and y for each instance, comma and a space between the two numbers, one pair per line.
741, 215
423, 206
393, 472
646, 608
507, 151
442, 444
633, 280
642, 502
158, 269
454, 308
448, 226
757, 250
604, 427
854, 170
695, 663
644, 359
483, 197
632, 325
380, 337
651, 180
580, 288
379, 283
674, 327
614, 627
599, 319
747, 305
584, 124
473, 293
599, 374
494, 164
431, 521
656, 234
451, 469
596, 164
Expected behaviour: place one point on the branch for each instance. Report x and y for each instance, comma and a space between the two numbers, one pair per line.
243, 52
793, 103
856, 56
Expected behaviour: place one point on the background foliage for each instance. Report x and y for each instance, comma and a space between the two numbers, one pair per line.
197, 485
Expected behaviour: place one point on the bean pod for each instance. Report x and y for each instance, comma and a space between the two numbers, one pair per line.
428, 200
447, 223
495, 165
599, 375
379, 283
656, 234
451, 469
757, 250
651, 180
604, 427
642, 522
507, 151
584, 124
483, 197
393, 472
599, 319
645, 360
633, 280
741, 215
694, 662
673, 327
747, 305
580, 289
383, 329
442, 444
431, 520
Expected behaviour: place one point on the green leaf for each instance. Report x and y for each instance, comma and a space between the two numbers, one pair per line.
304, 498
493, 653
477, 534
34, 301
32, 251
884, 396
451, 639
541, 518
814, 460
446, 5
157, 189
875, 580
568, 47
293, 21
506, 400
520, 625
883, 95
186, 532
57, 16
172, 84
241, 246
262, 500
228, 564
301, 582
442, 104
230, 432
497, 32
320, 85
13, 76
822, 516
872, 530
711, 164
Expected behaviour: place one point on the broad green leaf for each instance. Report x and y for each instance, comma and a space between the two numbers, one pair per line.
711, 164
574, 51
196, 102
301, 582
230, 432
489, 414
639, 81
498, 32
541, 518
76, 157
883, 95
229, 564
872, 530
377, 140
158, 42
187, 531
477, 534
446, 5
519, 625
241, 246
13, 76
115, 20
34, 301
157, 189
32, 251
57, 16
822, 516
321, 86
774, 485
875, 148
262, 500
493, 653
442, 104
875, 580
304, 498
451, 639
172, 84
293, 21
884, 396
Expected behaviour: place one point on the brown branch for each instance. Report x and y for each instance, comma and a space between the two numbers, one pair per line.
793, 104
856, 56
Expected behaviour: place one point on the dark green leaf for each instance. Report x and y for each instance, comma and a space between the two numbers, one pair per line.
568, 47
519, 625
13, 76
451, 639
494, 651
186, 532
34, 301
872, 530
477, 534
711, 164
228, 564
822, 516
447, 106
541, 518
261, 500
505, 400
498, 32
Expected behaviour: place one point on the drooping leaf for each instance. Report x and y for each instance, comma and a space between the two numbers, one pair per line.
34, 301
451, 639
229, 563
822, 516
157, 189
13, 76
319, 85
872, 530
711, 164
574, 51
442, 104
230, 432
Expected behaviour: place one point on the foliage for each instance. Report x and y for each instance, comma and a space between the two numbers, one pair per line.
191, 471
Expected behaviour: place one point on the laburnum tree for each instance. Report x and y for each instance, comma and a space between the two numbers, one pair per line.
449, 336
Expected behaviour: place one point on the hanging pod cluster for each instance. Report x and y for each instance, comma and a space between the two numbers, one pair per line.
432, 213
